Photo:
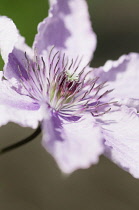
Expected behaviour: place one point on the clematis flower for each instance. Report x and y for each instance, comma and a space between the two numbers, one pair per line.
52, 84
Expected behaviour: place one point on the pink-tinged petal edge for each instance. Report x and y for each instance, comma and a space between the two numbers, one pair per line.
121, 134
122, 76
73, 145
17, 108
68, 28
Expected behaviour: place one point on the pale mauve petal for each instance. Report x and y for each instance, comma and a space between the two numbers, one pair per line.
73, 144
121, 134
17, 108
15, 67
10, 38
122, 76
68, 28
12, 48
16, 64
129, 102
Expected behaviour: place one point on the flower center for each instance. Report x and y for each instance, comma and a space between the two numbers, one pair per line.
67, 83
56, 82
63, 89
72, 77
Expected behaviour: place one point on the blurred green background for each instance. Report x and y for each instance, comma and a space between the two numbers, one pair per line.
29, 178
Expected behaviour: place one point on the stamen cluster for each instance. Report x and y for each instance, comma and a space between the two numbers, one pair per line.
56, 81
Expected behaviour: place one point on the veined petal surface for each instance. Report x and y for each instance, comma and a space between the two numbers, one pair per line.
8, 36
74, 144
17, 108
121, 134
68, 28
12, 48
122, 76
